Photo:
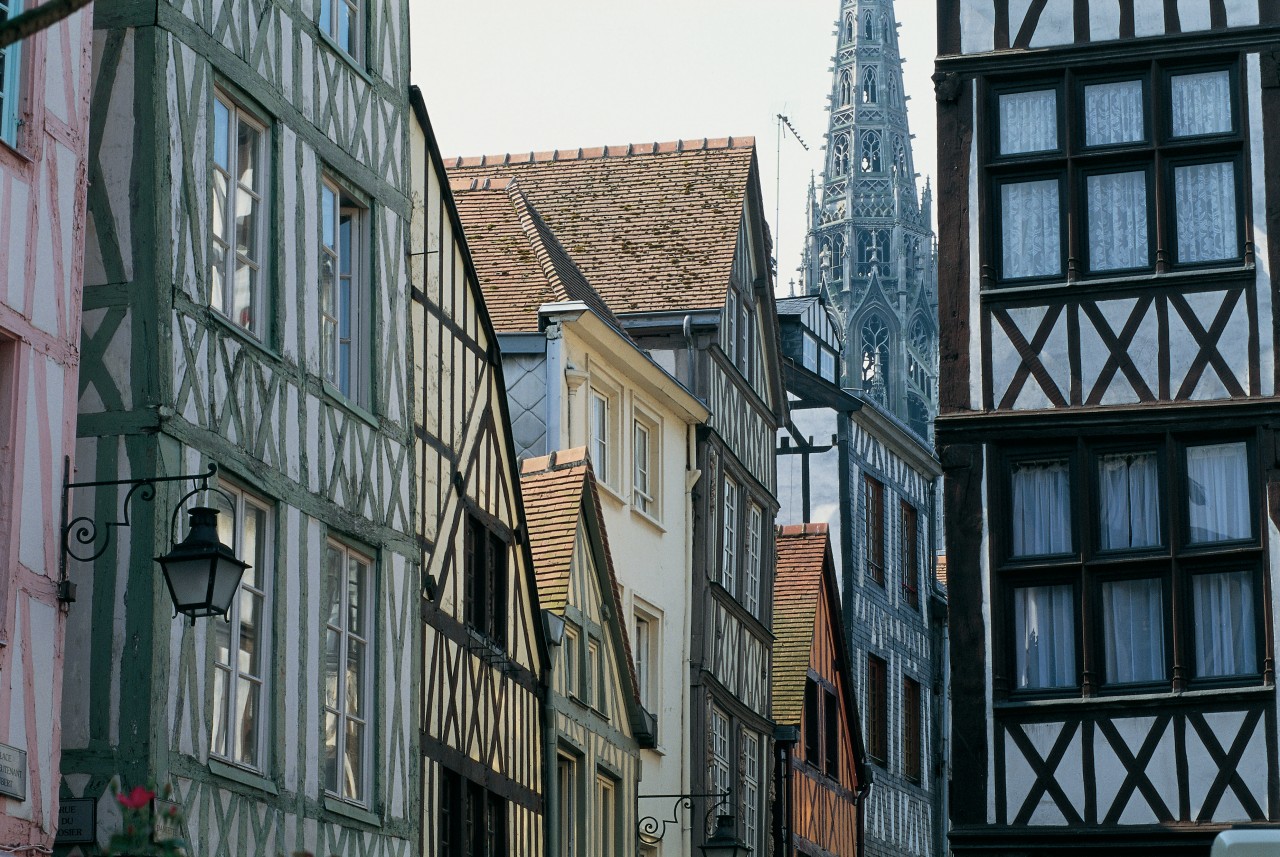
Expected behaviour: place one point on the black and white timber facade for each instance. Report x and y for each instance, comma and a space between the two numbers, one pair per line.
1109, 174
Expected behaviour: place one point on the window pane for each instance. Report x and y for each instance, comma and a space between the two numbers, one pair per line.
221, 126
1218, 492
1044, 636
1128, 501
1201, 103
600, 436
1224, 624
246, 738
1118, 221
353, 761
1041, 508
1133, 627
1030, 229
1029, 122
810, 357
1205, 198
1113, 113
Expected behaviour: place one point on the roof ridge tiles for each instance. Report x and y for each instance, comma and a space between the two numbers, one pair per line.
620, 150
463, 184
810, 529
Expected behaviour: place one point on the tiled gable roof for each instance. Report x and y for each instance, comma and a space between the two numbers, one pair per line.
802, 550
653, 226
555, 488
519, 262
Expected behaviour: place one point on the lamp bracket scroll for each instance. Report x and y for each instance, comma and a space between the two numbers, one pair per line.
650, 829
85, 539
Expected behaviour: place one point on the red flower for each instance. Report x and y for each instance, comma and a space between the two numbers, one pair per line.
136, 799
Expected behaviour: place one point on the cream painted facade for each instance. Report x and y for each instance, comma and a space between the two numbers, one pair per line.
553, 380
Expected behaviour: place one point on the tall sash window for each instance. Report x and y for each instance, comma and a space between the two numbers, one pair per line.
1041, 508
1045, 636
1218, 492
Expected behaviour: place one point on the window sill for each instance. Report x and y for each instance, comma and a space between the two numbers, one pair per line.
1135, 279
337, 806
1130, 699
243, 776
647, 518
244, 336
609, 491
353, 63
338, 398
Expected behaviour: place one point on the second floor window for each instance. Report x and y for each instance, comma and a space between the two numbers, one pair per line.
485, 582
873, 521
643, 457
343, 21
472, 821
601, 437
10, 74
910, 556
911, 730
343, 298
719, 776
238, 221
751, 563
750, 785
348, 660
729, 558
877, 709
1150, 172
242, 644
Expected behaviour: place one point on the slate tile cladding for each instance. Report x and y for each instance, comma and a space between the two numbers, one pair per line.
652, 226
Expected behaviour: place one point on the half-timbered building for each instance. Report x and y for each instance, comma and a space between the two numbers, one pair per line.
822, 778
596, 722
1109, 184
44, 139
846, 462
483, 650
246, 305
673, 237
576, 379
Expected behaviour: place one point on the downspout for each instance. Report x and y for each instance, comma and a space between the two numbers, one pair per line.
686, 327
691, 477
859, 801
554, 372
785, 738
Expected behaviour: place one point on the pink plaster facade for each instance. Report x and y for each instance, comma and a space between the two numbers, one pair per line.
42, 233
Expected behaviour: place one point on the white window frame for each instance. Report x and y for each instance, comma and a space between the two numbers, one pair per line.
234, 672
347, 319
232, 258
750, 786
647, 645
348, 555
601, 406
607, 815
595, 672
729, 529
646, 466
328, 22
11, 66
751, 567
570, 817
731, 335
719, 775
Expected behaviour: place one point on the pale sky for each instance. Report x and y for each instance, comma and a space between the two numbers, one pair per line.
501, 76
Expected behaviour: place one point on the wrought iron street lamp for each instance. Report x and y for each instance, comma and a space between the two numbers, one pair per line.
725, 842
201, 572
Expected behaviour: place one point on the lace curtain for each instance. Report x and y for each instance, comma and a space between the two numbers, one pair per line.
1133, 627
1218, 492
1041, 508
1129, 501
1030, 229
1113, 113
1224, 623
1205, 196
1028, 122
1044, 629
1201, 103
1118, 221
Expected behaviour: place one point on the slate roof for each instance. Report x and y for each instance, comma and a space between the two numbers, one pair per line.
519, 262
653, 226
556, 489
802, 552
795, 306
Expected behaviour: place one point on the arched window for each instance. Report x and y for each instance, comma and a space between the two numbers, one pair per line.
870, 85
869, 27
920, 336
873, 251
875, 352
900, 157
837, 258
846, 88
891, 88
848, 27
917, 416
840, 155
870, 146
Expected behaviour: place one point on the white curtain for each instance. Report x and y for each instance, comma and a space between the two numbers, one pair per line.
1118, 221
1030, 229
1205, 196
1028, 122
1129, 501
1201, 103
1041, 508
1218, 491
1133, 627
1224, 623
1113, 113
1045, 637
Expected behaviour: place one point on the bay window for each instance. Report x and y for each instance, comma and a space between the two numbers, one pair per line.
1130, 565
1131, 170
